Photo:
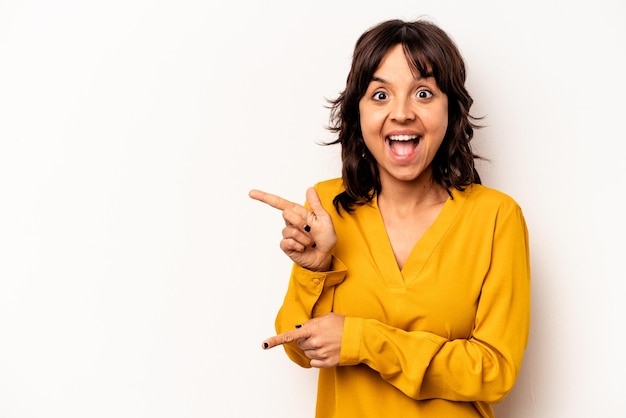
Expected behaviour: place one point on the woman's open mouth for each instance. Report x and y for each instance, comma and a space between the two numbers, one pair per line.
403, 145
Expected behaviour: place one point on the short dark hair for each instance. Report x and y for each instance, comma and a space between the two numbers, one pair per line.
432, 53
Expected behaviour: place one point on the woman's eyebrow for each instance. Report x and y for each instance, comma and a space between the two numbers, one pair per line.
382, 80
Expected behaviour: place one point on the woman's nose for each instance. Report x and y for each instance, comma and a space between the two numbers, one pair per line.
402, 111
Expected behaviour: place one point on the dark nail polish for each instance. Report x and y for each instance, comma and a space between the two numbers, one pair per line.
307, 228
265, 346
299, 326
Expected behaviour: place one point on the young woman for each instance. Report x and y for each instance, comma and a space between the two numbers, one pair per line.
410, 289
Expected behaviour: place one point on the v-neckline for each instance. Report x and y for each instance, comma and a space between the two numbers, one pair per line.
383, 252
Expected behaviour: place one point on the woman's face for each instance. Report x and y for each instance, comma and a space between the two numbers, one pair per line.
403, 120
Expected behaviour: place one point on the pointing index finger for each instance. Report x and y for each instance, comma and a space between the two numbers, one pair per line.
270, 199
285, 338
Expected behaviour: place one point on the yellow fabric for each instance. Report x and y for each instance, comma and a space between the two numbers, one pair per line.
445, 336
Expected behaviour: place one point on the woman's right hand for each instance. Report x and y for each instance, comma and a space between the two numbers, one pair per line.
309, 235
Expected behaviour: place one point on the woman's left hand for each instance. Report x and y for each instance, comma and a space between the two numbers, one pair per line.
319, 339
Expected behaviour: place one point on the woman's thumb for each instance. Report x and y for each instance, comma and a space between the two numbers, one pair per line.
314, 202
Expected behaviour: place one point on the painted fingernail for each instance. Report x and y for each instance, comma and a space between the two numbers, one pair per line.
266, 346
307, 228
299, 326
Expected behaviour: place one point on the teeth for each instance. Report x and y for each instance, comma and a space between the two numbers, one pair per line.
403, 137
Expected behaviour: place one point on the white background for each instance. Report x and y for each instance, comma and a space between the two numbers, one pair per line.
137, 279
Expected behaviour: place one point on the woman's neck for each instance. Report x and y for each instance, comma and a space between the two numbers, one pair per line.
408, 197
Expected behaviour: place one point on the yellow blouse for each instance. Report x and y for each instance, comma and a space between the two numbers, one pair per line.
444, 336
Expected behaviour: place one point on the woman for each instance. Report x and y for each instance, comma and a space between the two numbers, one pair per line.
410, 289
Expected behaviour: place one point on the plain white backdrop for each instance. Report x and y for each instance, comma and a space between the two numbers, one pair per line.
137, 279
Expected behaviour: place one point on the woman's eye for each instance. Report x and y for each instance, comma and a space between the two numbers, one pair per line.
379, 95
424, 94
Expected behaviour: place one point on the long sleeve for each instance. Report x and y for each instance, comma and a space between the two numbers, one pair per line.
309, 294
443, 336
